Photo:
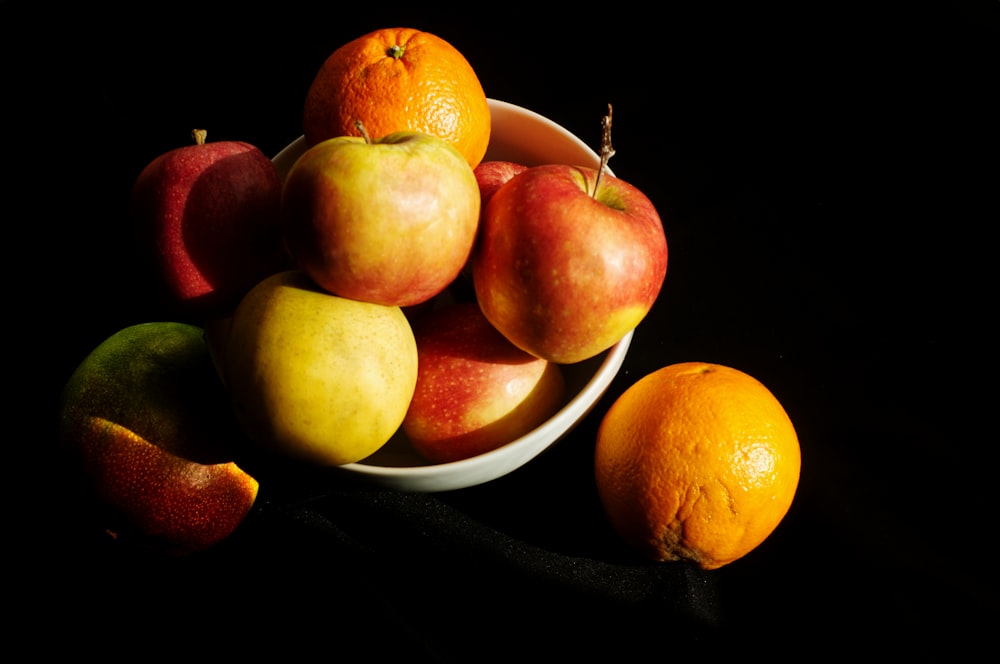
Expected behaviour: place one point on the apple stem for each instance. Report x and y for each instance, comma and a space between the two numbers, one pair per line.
360, 126
606, 150
199, 136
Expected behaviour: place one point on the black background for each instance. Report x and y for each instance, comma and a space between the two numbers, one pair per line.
827, 178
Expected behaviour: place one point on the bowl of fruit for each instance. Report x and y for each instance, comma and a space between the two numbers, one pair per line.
422, 310
524, 398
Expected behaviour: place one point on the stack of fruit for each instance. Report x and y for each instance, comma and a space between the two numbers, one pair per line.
391, 281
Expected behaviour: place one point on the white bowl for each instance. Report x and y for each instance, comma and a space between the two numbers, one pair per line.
521, 136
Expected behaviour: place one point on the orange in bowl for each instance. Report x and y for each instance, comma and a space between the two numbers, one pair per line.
399, 79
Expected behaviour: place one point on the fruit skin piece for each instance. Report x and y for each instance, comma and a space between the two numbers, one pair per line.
563, 274
147, 425
317, 377
475, 390
697, 462
390, 221
399, 79
207, 215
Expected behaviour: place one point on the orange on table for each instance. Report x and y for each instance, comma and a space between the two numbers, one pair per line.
399, 79
696, 462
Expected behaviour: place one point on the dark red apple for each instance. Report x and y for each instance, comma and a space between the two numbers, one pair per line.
207, 215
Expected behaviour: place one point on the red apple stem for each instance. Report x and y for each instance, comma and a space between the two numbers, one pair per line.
607, 151
199, 136
360, 126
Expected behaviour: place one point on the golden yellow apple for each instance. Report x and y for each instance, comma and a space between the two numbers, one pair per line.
318, 377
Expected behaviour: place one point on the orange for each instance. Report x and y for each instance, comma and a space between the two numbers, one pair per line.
696, 462
399, 79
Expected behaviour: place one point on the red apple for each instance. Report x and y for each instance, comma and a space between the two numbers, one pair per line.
147, 425
207, 215
565, 272
490, 175
388, 221
475, 390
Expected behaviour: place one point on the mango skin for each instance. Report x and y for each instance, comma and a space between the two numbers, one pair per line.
146, 423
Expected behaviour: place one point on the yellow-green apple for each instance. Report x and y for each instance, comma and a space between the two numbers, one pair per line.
207, 216
149, 430
318, 377
475, 390
389, 221
565, 271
